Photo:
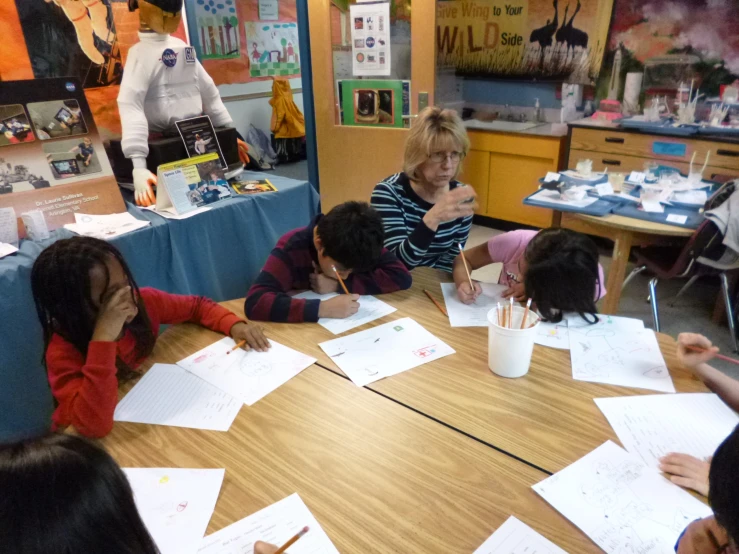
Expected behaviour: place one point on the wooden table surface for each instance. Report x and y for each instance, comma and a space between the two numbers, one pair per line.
545, 418
377, 476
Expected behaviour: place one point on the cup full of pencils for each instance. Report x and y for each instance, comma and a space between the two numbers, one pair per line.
511, 333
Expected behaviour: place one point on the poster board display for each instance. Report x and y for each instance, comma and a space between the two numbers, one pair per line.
51, 156
189, 184
370, 30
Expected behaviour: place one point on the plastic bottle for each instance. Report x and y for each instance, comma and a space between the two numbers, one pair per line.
537, 111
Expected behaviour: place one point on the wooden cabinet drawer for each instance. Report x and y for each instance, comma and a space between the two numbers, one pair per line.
476, 173
624, 164
654, 147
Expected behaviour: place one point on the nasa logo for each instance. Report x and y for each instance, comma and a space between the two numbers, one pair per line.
190, 54
169, 58
370, 42
70, 87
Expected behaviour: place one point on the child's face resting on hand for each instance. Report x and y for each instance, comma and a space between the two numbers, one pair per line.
104, 285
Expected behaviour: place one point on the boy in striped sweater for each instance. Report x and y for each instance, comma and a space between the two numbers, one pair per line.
349, 238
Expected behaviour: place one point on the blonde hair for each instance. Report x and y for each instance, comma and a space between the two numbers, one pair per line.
435, 130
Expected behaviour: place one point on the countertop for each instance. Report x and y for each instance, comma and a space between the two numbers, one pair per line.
555, 130
604, 124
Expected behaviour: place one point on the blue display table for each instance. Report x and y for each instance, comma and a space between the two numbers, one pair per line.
216, 254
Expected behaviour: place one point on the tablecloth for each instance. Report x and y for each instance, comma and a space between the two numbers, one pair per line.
216, 254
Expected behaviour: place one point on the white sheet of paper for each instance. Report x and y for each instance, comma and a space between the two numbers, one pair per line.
551, 176
557, 335
269, 10
475, 314
176, 504
370, 309
654, 425
636, 177
610, 323
8, 226
7, 249
385, 350
696, 197
553, 197
627, 359
652, 206
679, 219
553, 335
105, 226
274, 524
515, 537
604, 189
176, 216
35, 224
248, 376
370, 31
171, 395
621, 504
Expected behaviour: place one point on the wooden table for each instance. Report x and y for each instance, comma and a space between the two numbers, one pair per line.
377, 476
546, 418
625, 233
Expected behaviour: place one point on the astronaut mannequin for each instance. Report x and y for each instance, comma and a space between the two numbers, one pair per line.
163, 82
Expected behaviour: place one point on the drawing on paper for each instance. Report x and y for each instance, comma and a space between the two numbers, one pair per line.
273, 48
425, 352
557, 332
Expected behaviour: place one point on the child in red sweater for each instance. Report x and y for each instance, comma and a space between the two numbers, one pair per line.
97, 324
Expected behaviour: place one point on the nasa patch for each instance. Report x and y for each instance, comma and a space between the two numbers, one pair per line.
169, 57
370, 42
70, 87
190, 55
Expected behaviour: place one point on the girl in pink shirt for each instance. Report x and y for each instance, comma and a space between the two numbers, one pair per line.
557, 268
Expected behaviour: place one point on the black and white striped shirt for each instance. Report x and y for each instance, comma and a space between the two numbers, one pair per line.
406, 234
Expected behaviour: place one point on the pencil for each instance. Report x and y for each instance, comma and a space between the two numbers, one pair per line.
292, 541
441, 308
341, 281
500, 319
238, 345
510, 314
464, 261
719, 356
526, 313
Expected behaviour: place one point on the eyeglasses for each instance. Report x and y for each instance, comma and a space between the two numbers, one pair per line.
440, 157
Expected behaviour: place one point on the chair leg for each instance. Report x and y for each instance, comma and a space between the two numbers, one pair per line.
729, 309
634, 272
653, 299
685, 288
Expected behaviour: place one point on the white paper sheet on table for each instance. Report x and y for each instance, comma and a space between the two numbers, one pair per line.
171, 395
176, 504
553, 197
370, 309
274, 524
676, 218
557, 335
105, 226
248, 376
169, 215
515, 537
654, 425
385, 350
652, 206
621, 504
627, 359
7, 249
476, 314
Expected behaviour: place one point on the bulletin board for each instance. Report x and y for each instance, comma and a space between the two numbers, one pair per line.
233, 44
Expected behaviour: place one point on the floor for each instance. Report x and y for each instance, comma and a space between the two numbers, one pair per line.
692, 312
296, 170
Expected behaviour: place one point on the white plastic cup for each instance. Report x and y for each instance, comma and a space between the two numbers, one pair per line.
510, 349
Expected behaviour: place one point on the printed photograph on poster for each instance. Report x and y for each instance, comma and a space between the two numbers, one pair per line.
188, 184
371, 102
217, 27
199, 137
370, 39
72, 38
24, 173
273, 49
14, 126
72, 158
57, 118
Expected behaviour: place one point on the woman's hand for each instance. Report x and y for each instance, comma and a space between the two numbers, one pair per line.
687, 471
113, 314
252, 334
468, 295
452, 206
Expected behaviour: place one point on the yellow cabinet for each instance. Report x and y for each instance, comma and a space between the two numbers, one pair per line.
504, 168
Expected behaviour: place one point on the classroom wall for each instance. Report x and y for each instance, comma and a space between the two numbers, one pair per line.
256, 111
514, 93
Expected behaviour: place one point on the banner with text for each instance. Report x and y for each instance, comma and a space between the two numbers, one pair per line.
524, 39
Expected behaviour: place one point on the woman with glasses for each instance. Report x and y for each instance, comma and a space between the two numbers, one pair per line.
426, 213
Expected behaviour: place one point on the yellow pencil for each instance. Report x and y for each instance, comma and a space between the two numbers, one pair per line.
238, 345
464, 262
441, 308
341, 281
292, 541
526, 313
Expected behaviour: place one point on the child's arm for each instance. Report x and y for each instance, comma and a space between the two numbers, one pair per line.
389, 275
175, 308
476, 257
724, 386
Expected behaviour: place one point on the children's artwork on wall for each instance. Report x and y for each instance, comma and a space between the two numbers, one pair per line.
217, 29
72, 38
703, 29
524, 39
273, 48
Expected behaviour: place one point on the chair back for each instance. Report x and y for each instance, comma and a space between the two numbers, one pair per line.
720, 196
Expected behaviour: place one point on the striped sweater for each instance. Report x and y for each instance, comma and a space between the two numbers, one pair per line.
406, 234
289, 267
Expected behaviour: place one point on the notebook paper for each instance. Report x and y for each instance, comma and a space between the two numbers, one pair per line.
370, 309
515, 537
